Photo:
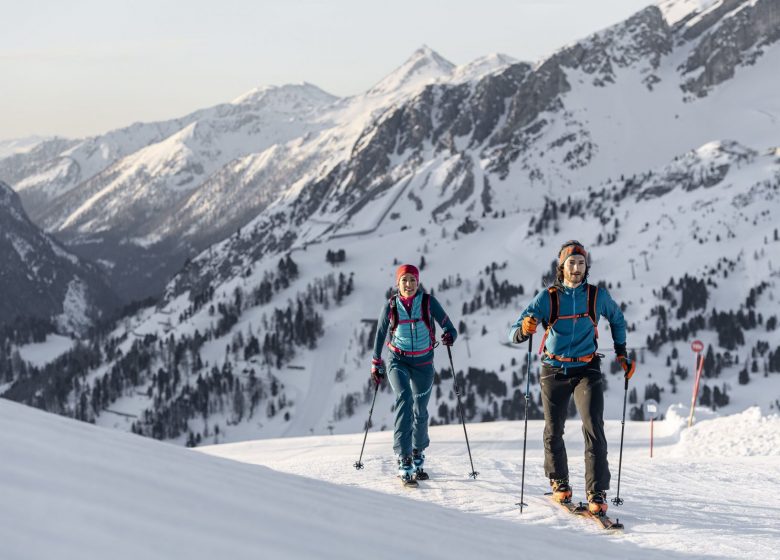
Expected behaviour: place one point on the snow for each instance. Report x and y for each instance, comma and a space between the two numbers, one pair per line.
481, 67
19, 145
71, 489
747, 434
423, 67
679, 227
676, 10
41, 353
75, 307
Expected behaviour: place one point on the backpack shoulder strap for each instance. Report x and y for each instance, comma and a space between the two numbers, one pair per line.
593, 294
553, 293
425, 310
393, 315
554, 306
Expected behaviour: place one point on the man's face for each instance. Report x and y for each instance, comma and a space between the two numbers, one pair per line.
574, 270
407, 285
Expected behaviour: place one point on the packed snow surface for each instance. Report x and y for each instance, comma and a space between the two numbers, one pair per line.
72, 490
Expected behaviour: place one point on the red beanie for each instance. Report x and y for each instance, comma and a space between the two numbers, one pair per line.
407, 269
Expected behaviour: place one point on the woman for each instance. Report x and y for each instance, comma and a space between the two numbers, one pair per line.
407, 318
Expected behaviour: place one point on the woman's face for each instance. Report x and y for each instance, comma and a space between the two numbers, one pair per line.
407, 285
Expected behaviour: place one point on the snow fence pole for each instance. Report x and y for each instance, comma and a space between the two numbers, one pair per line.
525, 430
473, 474
617, 500
358, 464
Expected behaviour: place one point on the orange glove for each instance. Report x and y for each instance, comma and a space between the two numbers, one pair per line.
529, 325
629, 366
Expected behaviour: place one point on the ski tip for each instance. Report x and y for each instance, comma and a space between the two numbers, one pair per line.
408, 483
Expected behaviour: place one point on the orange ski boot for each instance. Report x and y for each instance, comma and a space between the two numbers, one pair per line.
597, 503
560, 489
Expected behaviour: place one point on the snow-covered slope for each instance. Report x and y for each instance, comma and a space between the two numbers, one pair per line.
71, 490
19, 145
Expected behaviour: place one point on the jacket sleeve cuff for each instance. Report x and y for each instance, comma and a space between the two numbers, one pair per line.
620, 349
517, 336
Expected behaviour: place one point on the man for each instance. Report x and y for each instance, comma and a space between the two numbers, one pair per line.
570, 310
407, 319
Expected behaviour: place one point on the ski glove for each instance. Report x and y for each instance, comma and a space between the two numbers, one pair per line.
529, 325
446, 339
628, 365
377, 370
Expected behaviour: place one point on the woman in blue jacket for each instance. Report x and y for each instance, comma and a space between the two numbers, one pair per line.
408, 319
570, 311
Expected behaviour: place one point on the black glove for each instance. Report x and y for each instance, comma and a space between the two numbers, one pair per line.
446, 339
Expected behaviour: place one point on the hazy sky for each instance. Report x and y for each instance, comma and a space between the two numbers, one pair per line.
82, 67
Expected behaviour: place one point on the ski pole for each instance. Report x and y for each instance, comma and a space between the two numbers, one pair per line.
473, 474
525, 430
358, 464
617, 500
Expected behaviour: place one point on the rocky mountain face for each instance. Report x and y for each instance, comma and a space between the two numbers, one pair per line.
40, 280
732, 34
614, 104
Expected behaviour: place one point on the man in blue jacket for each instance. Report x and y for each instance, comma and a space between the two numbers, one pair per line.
569, 311
408, 318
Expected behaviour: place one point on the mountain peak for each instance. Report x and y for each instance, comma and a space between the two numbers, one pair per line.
424, 66
481, 67
285, 95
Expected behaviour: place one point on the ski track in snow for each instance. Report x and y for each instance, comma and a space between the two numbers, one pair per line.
684, 500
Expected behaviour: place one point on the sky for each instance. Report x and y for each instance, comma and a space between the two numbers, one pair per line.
84, 67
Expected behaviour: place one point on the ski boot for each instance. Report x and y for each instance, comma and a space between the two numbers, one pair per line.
597, 503
406, 470
561, 490
418, 459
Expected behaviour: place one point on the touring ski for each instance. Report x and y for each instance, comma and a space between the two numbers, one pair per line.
581, 509
408, 482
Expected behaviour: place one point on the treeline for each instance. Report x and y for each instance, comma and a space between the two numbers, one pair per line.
85, 381
493, 294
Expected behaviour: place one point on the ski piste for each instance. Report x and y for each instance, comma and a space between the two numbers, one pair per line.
581, 509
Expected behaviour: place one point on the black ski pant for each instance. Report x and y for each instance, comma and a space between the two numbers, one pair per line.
586, 384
